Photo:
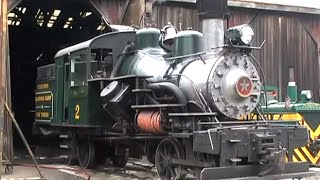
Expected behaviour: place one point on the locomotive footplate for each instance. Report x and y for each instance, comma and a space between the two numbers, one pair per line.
253, 172
252, 150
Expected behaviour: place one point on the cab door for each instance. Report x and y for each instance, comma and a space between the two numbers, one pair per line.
77, 89
59, 102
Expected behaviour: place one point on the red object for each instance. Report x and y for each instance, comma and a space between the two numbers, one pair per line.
244, 86
274, 93
150, 122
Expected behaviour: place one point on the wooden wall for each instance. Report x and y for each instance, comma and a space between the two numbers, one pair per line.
289, 44
185, 14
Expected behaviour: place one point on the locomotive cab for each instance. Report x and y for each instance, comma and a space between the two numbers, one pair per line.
74, 67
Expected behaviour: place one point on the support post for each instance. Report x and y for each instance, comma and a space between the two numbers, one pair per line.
3, 44
23, 138
134, 13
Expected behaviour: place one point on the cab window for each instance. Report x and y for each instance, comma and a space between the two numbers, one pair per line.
78, 70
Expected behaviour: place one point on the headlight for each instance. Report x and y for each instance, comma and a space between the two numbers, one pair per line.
306, 95
246, 34
309, 95
240, 35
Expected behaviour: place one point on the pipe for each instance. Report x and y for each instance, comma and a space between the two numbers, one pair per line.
169, 87
126, 49
151, 100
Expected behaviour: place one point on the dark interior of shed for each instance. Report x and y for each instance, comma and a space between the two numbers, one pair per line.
37, 30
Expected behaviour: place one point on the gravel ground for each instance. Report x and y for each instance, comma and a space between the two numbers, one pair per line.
135, 170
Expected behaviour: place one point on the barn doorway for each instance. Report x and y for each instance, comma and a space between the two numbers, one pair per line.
37, 30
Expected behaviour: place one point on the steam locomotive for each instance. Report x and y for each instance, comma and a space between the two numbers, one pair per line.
131, 93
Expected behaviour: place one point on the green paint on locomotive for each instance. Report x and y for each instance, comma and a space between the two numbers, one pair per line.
75, 99
188, 42
44, 94
70, 94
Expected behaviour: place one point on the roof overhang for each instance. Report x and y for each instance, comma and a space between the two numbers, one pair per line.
287, 6
305, 6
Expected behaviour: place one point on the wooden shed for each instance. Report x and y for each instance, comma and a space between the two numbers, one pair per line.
34, 30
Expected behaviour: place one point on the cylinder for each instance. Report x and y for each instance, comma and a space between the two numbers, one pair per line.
150, 122
292, 91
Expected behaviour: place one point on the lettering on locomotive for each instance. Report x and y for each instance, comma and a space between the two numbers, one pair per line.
43, 86
42, 114
42, 98
44, 106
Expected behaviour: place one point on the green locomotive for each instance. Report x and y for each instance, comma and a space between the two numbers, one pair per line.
130, 93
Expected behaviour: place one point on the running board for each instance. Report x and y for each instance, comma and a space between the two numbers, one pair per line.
266, 172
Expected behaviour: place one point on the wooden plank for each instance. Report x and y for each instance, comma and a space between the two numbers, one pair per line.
8, 143
274, 7
135, 12
3, 43
111, 10
181, 15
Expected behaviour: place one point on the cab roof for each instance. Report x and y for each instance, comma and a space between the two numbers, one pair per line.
101, 41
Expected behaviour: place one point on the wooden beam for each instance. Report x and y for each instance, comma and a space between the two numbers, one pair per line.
134, 15
273, 7
3, 44
124, 11
12, 4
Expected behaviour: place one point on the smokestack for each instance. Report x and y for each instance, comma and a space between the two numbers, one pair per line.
212, 14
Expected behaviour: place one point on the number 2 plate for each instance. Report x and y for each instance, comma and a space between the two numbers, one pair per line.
77, 112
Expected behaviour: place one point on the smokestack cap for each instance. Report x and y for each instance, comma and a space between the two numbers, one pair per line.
213, 9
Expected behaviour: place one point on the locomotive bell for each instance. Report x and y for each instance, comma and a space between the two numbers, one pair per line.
170, 34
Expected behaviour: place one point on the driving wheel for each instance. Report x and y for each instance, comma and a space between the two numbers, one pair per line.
166, 151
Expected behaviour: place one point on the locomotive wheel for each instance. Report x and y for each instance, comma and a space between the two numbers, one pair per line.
72, 158
120, 161
72, 152
167, 149
86, 153
8, 169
